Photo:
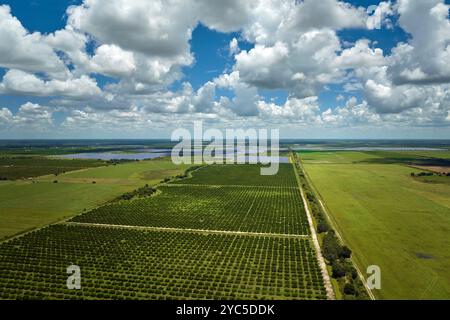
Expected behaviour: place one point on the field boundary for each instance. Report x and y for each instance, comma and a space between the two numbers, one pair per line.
335, 226
315, 240
226, 185
65, 219
187, 230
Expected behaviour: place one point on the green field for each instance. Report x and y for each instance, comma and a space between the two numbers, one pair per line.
132, 173
249, 175
133, 264
389, 218
13, 168
25, 205
261, 210
188, 241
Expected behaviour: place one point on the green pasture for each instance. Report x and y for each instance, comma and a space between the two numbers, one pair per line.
13, 168
389, 219
135, 173
26, 205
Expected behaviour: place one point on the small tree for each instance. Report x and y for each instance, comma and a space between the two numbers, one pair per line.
338, 269
345, 253
349, 289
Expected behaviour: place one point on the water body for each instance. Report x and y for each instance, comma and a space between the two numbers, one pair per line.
116, 156
158, 153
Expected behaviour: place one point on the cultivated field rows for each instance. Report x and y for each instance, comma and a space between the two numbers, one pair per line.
119, 259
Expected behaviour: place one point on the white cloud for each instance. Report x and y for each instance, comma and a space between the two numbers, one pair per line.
360, 55
299, 111
155, 28
330, 14
23, 83
258, 66
223, 16
234, 47
112, 60
380, 16
425, 59
24, 50
30, 117
302, 67
144, 45
5, 118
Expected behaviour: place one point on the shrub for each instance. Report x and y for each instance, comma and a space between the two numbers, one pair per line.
345, 252
338, 269
331, 246
322, 226
349, 289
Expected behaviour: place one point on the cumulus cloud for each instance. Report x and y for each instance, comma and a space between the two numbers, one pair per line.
361, 55
144, 45
23, 83
425, 59
29, 117
332, 14
234, 46
112, 60
24, 50
297, 47
156, 28
299, 111
380, 16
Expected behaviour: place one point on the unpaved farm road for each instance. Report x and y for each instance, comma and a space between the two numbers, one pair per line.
320, 258
200, 231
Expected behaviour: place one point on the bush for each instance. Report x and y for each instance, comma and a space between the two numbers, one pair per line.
331, 246
322, 226
349, 289
338, 269
140, 193
345, 253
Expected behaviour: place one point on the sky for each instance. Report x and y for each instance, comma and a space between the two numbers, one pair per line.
141, 69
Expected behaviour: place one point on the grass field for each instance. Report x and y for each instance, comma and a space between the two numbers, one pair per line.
389, 219
198, 241
25, 205
132, 173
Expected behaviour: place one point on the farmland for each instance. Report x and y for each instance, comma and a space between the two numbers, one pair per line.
134, 173
388, 217
243, 175
26, 205
12, 168
131, 264
216, 238
261, 210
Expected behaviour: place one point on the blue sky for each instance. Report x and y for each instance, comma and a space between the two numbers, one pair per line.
325, 108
